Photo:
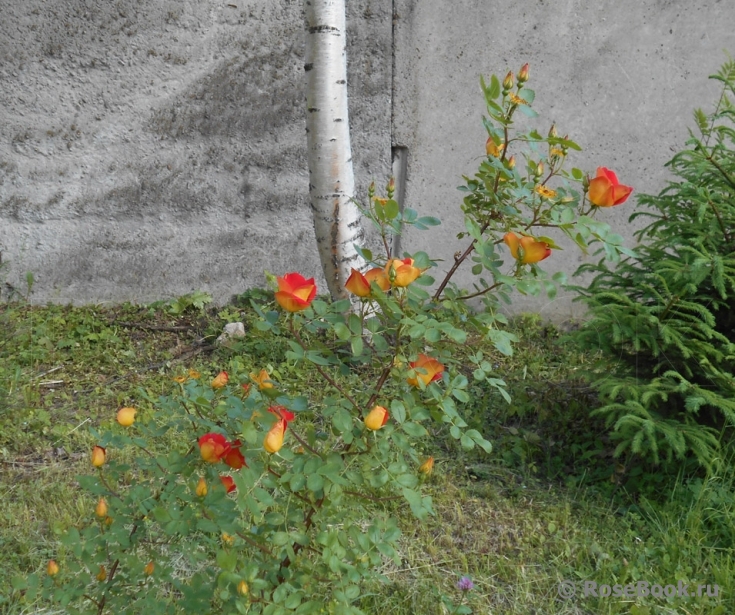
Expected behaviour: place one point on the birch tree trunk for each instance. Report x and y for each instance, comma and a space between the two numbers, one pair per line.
331, 179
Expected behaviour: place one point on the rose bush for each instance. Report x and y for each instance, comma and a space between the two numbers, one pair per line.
271, 501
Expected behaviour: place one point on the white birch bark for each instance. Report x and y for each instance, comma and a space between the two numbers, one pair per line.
331, 180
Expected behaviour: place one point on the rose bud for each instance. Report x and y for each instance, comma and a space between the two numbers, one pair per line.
274, 438
376, 418
126, 416
101, 509
98, 456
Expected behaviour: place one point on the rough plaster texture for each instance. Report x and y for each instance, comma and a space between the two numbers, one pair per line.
152, 147
621, 77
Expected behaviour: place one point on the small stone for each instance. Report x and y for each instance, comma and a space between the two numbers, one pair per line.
232, 331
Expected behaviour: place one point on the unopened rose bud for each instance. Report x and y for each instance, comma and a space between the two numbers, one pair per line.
126, 416
371, 190
52, 569
242, 588
102, 574
391, 187
376, 418
512, 162
508, 81
539, 169
552, 131
108, 521
201, 489
523, 74
98, 456
274, 438
101, 509
586, 183
149, 568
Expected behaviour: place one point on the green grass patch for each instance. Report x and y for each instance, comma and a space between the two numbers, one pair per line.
549, 504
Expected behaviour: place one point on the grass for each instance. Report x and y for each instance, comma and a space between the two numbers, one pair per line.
548, 504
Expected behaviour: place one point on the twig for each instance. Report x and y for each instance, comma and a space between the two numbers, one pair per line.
50, 383
304, 443
73, 430
47, 372
373, 498
323, 374
169, 328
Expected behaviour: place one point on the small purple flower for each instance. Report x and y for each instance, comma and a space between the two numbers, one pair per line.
465, 584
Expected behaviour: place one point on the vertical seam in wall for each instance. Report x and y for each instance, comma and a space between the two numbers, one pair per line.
392, 71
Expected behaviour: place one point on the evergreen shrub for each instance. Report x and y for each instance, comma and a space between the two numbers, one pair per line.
664, 320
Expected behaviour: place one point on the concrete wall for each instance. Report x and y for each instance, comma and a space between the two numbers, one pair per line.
621, 77
152, 147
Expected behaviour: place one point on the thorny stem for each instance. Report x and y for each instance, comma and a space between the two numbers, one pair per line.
323, 374
479, 293
308, 522
304, 443
483, 228
101, 604
373, 498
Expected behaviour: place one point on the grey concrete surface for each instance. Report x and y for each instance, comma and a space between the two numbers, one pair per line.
152, 147
621, 77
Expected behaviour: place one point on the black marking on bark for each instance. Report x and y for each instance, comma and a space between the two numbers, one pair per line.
312, 109
341, 81
308, 67
320, 29
338, 119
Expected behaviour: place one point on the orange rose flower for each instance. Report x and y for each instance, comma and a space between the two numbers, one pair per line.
98, 456
234, 457
493, 150
52, 569
606, 191
220, 380
378, 276
427, 467
213, 447
286, 415
403, 272
428, 370
228, 483
262, 379
533, 251
295, 293
149, 568
376, 418
357, 284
